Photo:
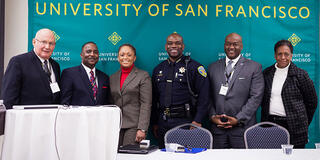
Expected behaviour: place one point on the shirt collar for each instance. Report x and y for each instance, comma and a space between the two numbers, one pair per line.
88, 70
234, 60
178, 60
127, 70
41, 59
282, 69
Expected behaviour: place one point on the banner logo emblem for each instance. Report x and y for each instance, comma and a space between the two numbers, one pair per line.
294, 39
56, 36
114, 38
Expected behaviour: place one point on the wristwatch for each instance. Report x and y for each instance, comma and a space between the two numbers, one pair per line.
144, 131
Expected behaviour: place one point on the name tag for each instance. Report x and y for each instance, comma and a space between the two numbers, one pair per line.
223, 90
54, 87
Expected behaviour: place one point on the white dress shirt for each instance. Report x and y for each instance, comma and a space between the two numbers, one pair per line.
52, 76
88, 70
234, 62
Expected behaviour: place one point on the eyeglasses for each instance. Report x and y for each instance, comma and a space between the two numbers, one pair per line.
44, 43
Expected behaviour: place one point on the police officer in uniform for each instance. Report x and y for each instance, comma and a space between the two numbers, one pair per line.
174, 102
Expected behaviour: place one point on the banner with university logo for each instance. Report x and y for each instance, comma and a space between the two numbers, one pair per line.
202, 23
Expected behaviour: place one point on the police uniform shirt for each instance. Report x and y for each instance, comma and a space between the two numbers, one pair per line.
180, 92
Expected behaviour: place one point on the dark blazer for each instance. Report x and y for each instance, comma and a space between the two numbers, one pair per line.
134, 98
244, 94
299, 99
76, 88
25, 82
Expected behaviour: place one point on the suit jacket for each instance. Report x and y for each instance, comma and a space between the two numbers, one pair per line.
76, 88
26, 83
244, 94
134, 99
299, 98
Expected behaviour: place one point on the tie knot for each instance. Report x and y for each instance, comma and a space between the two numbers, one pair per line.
230, 62
91, 72
45, 62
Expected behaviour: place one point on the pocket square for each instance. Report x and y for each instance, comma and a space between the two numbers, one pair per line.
242, 78
104, 87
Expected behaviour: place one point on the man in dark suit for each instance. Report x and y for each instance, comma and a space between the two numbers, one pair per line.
84, 85
237, 88
32, 78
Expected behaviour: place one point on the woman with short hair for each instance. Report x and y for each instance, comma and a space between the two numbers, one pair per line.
290, 98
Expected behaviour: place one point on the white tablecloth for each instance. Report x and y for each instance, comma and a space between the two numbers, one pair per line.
81, 134
228, 154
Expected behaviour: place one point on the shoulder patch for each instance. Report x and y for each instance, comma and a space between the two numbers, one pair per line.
202, 71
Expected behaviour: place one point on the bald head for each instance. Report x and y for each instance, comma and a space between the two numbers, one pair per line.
233, 45
174, 46
175, 34
234, 35
44, 31
44, 43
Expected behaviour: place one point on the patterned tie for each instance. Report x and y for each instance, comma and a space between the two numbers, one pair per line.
229, 69
94, 85
46, 69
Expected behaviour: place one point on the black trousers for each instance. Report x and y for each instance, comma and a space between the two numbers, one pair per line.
283, 122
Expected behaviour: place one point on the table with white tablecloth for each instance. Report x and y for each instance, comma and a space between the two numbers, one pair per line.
228, 154
85, 133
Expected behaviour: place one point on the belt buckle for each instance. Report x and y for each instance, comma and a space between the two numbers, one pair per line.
167, 111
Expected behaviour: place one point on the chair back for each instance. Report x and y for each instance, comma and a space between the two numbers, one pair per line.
197, 137
266, 135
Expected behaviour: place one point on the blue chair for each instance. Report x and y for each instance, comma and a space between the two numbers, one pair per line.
197, 137
266, 135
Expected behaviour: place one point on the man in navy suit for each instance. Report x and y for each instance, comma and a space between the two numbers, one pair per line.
84, 85
32, 78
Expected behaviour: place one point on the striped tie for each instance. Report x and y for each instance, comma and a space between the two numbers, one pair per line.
46, 69
94, 85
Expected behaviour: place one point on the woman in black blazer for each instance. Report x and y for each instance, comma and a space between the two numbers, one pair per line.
290, 98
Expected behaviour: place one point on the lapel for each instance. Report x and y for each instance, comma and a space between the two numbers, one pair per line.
55, 70
238, 68
100, 83
221, 70
38, 66
291, 73
268, 77
130, 77
116, 81
85, 79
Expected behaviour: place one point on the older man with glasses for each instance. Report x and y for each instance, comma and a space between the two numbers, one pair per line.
32, 78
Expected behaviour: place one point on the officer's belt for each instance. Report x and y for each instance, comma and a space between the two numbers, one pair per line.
177, 111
